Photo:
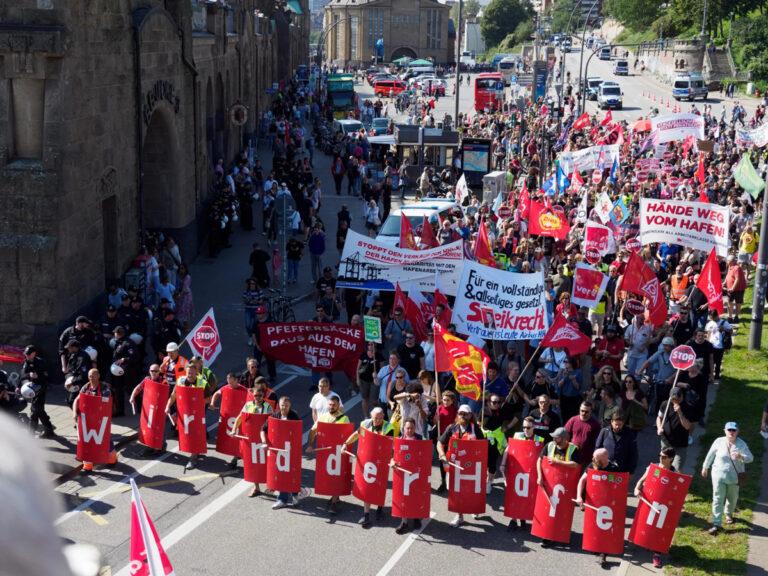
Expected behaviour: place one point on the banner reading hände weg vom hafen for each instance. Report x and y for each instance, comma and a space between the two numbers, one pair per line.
698, 225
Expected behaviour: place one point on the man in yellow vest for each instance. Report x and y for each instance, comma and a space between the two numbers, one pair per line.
376, 424
559, 452
527, 433
333, 416
192, 378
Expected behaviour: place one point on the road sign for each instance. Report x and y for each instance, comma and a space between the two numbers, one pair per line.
372, 328
592, 256
634, 245
634, 307
504, 211
682, 357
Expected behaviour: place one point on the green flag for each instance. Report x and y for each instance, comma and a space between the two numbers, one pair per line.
747, 177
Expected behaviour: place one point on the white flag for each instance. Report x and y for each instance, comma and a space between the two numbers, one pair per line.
462, 190
604, 207
581, 211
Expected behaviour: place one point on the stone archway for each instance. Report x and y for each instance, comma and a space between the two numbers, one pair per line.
161, 175
403, 51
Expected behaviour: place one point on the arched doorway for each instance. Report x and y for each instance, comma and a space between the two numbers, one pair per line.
403, 51
161, 177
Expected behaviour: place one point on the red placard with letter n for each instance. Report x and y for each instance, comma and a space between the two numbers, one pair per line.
333, 468
374, 452
604, 527
284, 455
520, 476
411, 490
466, 486
653, 528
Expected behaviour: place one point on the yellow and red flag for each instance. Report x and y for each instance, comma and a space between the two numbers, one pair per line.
467, 362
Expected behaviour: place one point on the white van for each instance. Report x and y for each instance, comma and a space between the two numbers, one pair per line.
689, 87
389, 233
416, 71
347, 126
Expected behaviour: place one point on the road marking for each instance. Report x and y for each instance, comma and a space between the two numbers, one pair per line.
106, 571
199, 518
98, 519
120, 484
400, 552
167, 482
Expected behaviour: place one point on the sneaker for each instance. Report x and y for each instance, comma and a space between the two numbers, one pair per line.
546, 544
512, 526
457, 521
714, 530
602, 559
729, 519
522, 524
87, 467
279, 504
403, 528
191, 464
47, 433
332, 508
365, 521
657, 561
254, 492
379, 512
232, 463
441, 489
303, 493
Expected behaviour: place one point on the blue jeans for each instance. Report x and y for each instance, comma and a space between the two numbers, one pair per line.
293, 270
317, 266
250, 320
286, 497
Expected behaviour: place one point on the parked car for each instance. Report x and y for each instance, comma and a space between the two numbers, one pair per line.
383, 88
592, 86
379, 126
621, 68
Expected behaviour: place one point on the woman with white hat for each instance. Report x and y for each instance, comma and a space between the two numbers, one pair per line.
727, 458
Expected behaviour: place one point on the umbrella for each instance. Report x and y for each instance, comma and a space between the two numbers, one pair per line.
420, 63
402, 61
642, 125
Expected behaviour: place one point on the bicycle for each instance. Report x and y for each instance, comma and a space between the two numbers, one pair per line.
280, 306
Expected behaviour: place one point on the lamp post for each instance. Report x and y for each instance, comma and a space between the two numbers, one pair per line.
586, 68
562, 68
458, 69
583, 36
761, 278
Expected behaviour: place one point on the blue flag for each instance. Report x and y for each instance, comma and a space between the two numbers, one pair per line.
497, 202
549, 186
619, 212
562, 180
614, 171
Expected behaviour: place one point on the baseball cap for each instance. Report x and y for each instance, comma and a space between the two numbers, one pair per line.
668, 341
559, 433
172, 347
261, 310
30, 349
465, 408
82, 319
731, 426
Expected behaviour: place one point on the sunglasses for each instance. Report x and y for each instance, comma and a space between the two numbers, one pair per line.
731, 430
399, 377
527, 427
154, 371
495, 402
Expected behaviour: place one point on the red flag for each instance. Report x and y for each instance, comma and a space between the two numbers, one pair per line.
148, 558
417, 311
581, 122
440, 299
545, 221
467, 362
703, 195
640, 279
427, 239
407, 238
400, 299
710, 282
607, 119
576, 182
701, 174
524, 203
483, 250
688, 143
563, 334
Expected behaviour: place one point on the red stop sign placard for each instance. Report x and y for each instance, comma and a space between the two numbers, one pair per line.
504, 211
682, 357
634, 245
597, 176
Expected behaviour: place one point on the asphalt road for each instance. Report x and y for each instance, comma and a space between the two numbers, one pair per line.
208, 524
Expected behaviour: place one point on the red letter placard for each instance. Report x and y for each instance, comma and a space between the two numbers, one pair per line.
553, 514
466, 487
191, 420
232, 401
94, 428
410, 480
154, 397
374, 452
520, 475
653, 528
253, 451
284, 464
604, 527
333, 469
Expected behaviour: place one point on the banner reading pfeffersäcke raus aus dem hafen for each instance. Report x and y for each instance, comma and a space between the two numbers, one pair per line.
498, 305
368, 264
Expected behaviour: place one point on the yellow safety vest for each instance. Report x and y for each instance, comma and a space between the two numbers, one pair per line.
253, 408
551, 447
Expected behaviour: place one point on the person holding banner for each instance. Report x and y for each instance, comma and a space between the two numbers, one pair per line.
193, 380
174, 365
232, 396
256, 406
528, 433
94, 388
154, 379
333, 416
666, 458
408, 433
284, 413
464, 428
376, 424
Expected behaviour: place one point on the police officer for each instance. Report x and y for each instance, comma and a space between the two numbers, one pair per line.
109, 323
123, 360
35, 370
81, 331
168, 330
78, 363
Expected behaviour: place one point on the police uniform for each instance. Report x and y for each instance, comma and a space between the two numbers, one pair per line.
37, 411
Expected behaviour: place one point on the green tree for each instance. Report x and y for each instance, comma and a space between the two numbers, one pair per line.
560, 13
635, 14
470, 9
501, 17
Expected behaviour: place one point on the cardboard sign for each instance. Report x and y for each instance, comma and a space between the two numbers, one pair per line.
204, 339
372, 328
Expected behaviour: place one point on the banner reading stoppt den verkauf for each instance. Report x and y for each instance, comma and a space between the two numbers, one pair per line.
367, 264
498, 305
698, 225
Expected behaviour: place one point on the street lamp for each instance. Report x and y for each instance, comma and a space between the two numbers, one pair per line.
458, 69
583, 36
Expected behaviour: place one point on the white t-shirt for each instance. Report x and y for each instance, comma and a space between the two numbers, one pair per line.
319, 403
714, 335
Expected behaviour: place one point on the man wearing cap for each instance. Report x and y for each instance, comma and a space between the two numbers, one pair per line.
35, 370
376, 424
325, 281
674, 425
174, 365
81, 331
683, 327
109, 323
559, 452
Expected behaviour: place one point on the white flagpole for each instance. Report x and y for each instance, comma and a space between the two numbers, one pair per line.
154, 563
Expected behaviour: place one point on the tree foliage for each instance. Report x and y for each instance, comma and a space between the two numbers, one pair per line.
502, 17
470, 9
560, 12
635, 14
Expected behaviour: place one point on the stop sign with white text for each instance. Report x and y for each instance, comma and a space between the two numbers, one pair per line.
682, 357
204, 339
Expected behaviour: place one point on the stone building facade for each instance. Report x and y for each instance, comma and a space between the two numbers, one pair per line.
414, 28
112, 113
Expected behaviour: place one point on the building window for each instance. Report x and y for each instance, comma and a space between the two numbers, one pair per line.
353, 25
199, 16
434, 28
375, 26
230, 19
28, 101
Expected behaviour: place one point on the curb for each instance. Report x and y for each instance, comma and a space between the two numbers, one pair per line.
75, 470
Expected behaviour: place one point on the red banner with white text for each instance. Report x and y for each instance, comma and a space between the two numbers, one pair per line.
374, 452
411, 489
232, 401
467, 474
253, 451
94, 428
333, 468
553, 513
284, 455
154, 397
520, 477
604, 527
190, 421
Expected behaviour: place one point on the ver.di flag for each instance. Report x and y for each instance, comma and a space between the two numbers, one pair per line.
747, 177
147, 555
588, 286
710, 282
564, 334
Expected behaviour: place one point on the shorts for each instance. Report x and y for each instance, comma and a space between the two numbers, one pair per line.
369, 391
736, 296
596, 318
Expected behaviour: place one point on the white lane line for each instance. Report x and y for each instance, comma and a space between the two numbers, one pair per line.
400, 552
198, 519
120, 484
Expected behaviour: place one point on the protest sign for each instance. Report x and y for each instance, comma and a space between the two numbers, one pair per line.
372, 327
499, 305
605, 512
94, 428
520, 475
587, 159
677, 127
599, 238
757, 137
314, 345
588, 286
367, 264
693, 224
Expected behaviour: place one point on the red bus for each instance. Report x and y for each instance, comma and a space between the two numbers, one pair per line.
489, 91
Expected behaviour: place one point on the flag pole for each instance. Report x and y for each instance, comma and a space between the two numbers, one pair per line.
522, 373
